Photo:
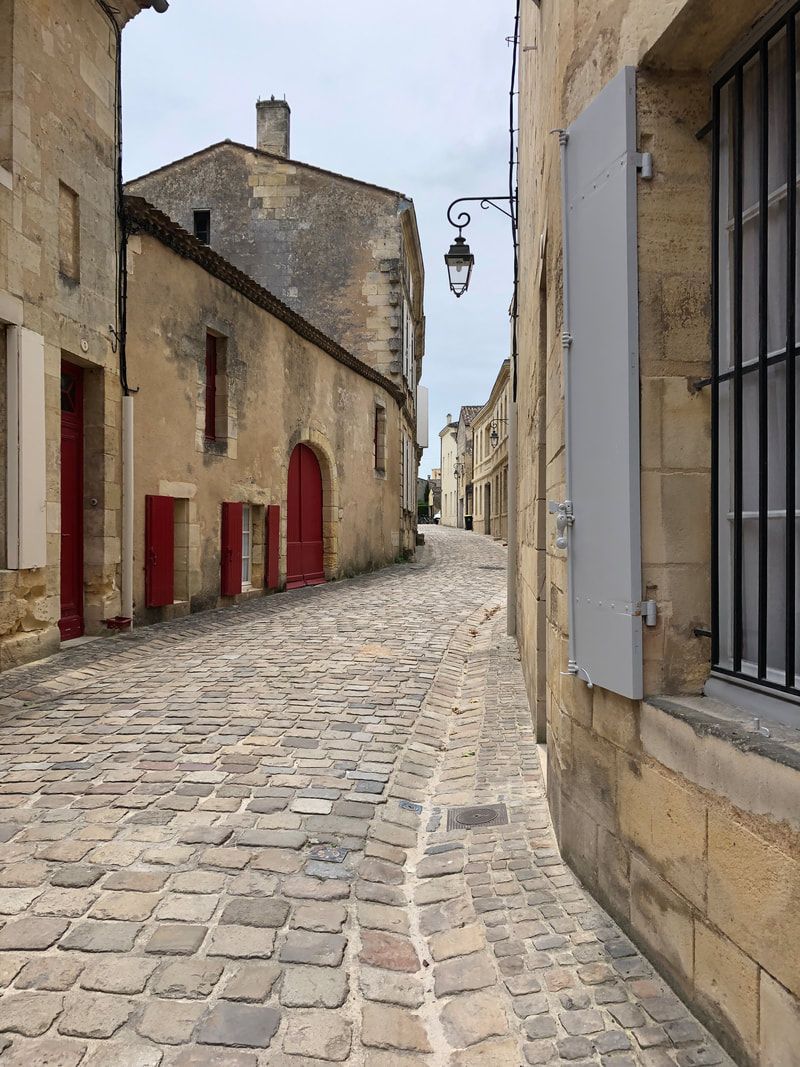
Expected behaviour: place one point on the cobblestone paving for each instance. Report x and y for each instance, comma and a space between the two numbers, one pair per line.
224, 842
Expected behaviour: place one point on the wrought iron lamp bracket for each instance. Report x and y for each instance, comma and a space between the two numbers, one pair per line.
485, 202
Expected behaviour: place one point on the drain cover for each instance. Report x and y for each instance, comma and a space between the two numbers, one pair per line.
471, 818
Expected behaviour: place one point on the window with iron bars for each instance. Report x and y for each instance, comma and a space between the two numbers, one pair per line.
755, 627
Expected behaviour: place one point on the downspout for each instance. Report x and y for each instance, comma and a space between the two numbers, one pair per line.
127, 507
566, 343
511, 573
513, 192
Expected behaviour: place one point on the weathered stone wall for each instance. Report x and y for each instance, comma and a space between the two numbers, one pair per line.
57, 125
650, 802
342, 253
331, 248
281, 390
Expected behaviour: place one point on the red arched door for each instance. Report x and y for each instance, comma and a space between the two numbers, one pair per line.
304, 520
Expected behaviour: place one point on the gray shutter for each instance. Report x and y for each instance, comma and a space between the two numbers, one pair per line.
602, 390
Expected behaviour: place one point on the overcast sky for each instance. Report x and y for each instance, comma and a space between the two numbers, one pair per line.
414, 97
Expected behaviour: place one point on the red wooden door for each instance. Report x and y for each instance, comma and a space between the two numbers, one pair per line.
159, 565
304, 520
71, 621
231, 554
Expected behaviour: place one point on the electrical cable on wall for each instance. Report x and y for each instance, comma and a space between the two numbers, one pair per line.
120, 230
513, 193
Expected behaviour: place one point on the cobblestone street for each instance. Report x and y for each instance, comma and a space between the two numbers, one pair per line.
225, 842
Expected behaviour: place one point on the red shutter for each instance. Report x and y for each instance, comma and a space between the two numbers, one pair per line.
273, 546
211, 387
231, 583
159, 567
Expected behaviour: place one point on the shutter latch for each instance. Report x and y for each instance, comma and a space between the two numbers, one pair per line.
644, 164
564, 518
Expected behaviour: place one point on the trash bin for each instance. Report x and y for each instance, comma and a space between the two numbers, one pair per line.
467, 522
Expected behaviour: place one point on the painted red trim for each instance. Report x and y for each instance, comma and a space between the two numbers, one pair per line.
71, 623
159, 549
231, 549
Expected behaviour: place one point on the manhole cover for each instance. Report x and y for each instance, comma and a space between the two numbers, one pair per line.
475, 817
328, 854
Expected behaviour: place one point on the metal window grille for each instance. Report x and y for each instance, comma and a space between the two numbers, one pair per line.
754, 351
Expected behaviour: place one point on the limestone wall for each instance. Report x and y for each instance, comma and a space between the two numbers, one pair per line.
704, 874
57, 129
281, 390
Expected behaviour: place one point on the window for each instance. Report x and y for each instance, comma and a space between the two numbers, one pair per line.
202, 226
379, 439
247, 546
754, 393
69, 233
212, 370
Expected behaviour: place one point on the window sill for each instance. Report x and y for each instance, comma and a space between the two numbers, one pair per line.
710, 717
714, 746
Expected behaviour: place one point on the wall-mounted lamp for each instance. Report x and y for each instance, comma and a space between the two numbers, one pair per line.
459, 259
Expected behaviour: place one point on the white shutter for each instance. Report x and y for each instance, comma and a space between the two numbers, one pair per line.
602, 389
27, 456
422, 416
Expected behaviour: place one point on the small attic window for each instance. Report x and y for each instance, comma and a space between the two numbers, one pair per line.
202, 226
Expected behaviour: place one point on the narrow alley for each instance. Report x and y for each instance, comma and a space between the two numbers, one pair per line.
226, 842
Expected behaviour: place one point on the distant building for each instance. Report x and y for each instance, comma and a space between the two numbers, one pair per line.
436, 483
343, 253
449, 459
464, 460
490, 459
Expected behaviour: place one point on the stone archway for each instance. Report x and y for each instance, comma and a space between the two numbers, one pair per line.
317, 441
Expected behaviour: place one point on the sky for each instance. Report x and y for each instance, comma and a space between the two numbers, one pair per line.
413, 97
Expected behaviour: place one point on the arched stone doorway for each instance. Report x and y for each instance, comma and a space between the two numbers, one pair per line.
304, 520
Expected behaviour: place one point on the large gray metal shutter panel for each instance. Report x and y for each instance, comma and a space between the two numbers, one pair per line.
602, 389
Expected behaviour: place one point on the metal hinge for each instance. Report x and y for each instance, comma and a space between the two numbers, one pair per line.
644, 164
564, 518
648, 609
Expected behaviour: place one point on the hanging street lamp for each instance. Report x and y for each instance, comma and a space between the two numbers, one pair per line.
494, 436
459, 262
459, 259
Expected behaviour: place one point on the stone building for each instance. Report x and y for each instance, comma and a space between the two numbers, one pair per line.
342, 253
59, 360
657, 602
436, 484
260, 448
490, 459
464, 464
449, 459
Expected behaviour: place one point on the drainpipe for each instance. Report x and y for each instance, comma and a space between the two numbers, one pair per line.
566, 343
511, 507
127, 507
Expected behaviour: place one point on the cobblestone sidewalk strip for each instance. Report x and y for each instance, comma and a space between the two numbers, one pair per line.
224, 842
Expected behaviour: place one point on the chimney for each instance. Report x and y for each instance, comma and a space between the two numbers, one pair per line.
449, 417
273, 126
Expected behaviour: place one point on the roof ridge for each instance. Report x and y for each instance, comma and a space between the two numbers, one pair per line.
270, 155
